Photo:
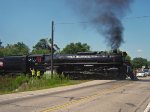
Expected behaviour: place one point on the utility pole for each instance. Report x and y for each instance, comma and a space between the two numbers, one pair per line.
0, 44
52, 45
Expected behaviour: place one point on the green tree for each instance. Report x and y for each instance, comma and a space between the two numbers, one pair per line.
148, 63
1, 49
73, 48
16, 49
139, 62
128, 58
2, 52
42, 47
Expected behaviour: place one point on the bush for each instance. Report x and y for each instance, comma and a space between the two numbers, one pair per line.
22, 82
47, 81
11, 83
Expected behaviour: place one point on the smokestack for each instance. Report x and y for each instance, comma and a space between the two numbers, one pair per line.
105, 16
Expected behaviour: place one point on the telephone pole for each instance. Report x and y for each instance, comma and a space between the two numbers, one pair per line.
52, 50
0, 44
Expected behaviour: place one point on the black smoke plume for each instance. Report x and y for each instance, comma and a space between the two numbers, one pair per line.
105, 16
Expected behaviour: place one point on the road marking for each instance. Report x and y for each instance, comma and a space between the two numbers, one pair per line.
147, 108
84, 99
54, 90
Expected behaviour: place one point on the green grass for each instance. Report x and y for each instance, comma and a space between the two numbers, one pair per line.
22, 82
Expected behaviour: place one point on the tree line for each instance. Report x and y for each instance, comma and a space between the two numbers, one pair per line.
41, 47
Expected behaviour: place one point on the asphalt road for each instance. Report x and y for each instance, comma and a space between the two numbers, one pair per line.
102, 96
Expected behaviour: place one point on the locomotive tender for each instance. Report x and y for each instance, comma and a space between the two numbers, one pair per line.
83, 64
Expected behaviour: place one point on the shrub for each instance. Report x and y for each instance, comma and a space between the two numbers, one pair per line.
22, 82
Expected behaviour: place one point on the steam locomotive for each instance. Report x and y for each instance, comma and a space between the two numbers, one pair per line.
83, 64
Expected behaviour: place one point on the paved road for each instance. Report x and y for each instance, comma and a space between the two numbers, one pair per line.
95, 96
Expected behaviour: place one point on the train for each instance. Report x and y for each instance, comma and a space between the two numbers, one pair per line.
81, 65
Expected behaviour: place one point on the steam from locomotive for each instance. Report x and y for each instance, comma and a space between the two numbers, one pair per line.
105, 16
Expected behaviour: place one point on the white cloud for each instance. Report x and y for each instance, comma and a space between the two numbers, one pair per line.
139, 50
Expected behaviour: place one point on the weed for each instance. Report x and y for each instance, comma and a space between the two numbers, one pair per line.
22, 82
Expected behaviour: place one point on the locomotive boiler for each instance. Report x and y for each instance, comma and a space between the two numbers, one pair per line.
92, 64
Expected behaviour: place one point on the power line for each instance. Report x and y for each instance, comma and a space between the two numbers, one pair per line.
138, 17
80, 22
87, 22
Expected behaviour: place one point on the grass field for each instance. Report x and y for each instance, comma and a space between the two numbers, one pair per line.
22, 82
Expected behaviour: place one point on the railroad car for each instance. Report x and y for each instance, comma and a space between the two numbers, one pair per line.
82, 64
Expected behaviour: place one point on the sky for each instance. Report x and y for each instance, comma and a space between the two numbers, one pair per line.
28, 21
